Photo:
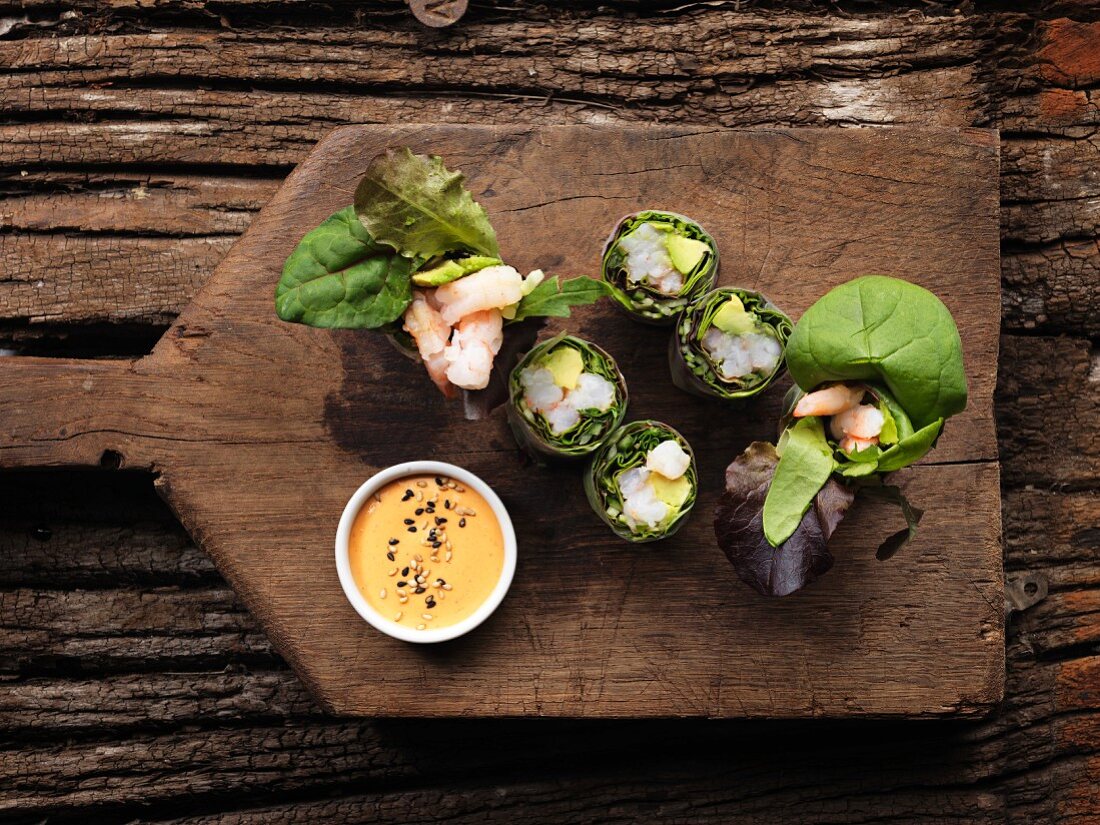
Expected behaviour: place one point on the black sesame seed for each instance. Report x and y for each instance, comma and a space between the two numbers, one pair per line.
430, 602
394, 541
418, 512
419, 590
440, 520
462, 522
412, 529
389, 556
404, 571
402, 584
409, 521
447, 503
437, 544
439, 481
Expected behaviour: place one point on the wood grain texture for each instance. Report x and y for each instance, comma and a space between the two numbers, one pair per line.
238, 413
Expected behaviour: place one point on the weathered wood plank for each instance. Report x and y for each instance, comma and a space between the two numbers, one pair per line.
1048, 379
54, 707
42, 554
41, 630
50, 278
136, 204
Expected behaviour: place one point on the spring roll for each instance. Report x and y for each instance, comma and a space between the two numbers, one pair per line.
566, 396
643, 482
728, 344
657, 262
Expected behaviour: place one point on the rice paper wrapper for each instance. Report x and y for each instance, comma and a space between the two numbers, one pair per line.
649, 306
691, 368
530, 429
625, 449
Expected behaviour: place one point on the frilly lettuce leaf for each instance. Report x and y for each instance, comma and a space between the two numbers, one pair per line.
886, 331
739, 526
338, 276
420, 208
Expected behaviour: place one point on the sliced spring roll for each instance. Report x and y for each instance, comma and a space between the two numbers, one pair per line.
657, 262
728, 344
566, 396
643, 482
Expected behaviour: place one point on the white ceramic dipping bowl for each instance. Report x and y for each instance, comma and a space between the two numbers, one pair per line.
343, 559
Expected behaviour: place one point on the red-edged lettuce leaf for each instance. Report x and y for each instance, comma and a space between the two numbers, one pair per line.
739, 526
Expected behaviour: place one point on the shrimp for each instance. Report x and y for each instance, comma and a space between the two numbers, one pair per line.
851, 445
863, 422
427, 327
476, 341
431, 333
491, 288
829, 401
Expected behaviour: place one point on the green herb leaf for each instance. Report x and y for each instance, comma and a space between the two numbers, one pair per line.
338, 276
553, 299
805, 466
887, 331
414, 204
894, 495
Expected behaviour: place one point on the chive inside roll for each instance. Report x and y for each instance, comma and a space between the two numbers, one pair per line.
728, 344
566, 396
656, 262
643, 482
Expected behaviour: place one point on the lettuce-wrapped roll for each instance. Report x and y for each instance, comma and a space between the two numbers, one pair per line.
728, 344
657, 262
878, 368
566, 396
643, 481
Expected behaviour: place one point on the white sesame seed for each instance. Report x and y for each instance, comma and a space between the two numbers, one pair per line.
427, 616
382, 593
447, 587
448, 555
393, 572
420, 627
421, 484
397, 616
419, 496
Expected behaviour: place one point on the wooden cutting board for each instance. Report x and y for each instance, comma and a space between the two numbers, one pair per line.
260, 431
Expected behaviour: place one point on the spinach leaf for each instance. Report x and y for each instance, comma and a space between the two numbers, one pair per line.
553, 299
805, 466
420, 208
883, 330
338, 276
738, 526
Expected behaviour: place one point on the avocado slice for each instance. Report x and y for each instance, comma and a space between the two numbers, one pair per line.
685, 252
672, 491
449, 271
732, 318
566, 365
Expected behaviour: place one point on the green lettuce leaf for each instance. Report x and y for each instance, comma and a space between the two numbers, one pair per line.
338, 276
553, 299
805, 466
414, 204
888, 331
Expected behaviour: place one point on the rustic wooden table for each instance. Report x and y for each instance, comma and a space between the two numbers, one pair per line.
136, 142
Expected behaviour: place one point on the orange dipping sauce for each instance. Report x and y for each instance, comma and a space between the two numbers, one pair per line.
426, 551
